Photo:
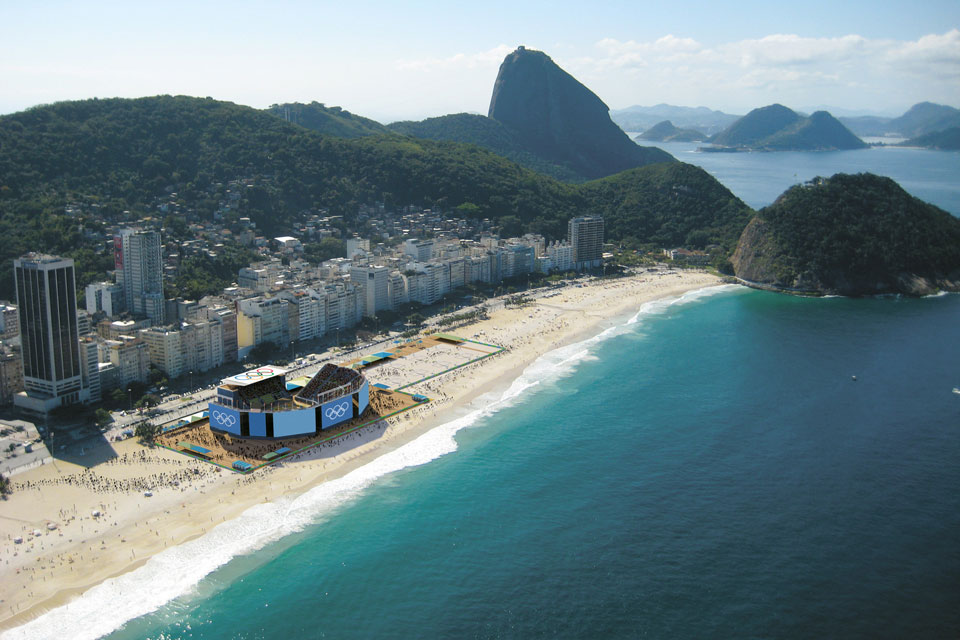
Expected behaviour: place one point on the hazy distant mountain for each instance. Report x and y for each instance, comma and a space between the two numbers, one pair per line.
868, 125
638, 118
562, 121
925, 117
947, 140
332, 121
666, 132
920, 119
777, 128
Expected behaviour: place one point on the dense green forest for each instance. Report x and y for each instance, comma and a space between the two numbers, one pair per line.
121, 155
332, 121
851, 234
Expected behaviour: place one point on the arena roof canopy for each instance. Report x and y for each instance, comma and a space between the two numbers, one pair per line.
253, 376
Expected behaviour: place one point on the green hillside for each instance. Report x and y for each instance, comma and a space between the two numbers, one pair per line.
332, 121
121, 155
852, 235
484, 132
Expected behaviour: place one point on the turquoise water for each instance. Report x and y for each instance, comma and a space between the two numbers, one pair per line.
758, 178
711, 470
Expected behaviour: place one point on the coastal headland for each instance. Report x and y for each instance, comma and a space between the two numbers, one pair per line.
82, 524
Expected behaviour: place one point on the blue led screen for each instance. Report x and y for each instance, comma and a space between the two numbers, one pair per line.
292, 423
258, 424
336, 411
224, 419
364, 396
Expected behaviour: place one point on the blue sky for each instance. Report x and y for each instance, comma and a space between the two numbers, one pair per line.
391, 60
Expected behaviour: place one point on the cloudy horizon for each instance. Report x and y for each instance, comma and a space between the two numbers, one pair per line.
257, 55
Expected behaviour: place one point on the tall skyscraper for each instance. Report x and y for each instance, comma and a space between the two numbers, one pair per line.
47, 304
139, 264
585, 235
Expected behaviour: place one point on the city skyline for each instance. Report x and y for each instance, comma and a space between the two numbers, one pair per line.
410, 62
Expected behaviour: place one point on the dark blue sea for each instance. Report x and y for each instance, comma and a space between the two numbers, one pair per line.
708, 468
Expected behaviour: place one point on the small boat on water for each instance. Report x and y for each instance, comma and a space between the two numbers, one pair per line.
956, 390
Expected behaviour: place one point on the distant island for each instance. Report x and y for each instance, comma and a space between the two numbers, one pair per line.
850, 235
947, 140
666, 132
639, 118
777, 128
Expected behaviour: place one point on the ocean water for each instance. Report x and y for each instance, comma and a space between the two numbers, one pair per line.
707, 468
758, 178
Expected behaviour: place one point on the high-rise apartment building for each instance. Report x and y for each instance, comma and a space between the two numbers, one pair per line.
47, 305
585, 235
9, 321
106, 297
11, 372
139, 263
373, 282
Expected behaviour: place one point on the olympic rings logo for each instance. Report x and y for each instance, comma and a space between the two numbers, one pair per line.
224, 419
256, 373
338, 411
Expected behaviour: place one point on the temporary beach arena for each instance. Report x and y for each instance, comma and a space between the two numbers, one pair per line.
259, 404
260, 416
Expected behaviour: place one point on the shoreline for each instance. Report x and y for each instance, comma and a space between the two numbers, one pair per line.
574, 314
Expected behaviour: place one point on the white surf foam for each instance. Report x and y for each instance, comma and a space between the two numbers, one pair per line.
176, 571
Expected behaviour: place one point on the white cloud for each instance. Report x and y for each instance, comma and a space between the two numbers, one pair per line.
479, 60
849, 70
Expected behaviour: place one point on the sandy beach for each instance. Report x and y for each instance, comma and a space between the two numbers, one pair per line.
76, 549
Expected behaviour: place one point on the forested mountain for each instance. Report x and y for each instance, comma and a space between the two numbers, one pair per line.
777, 128
851, 235
670, 204
332, 121
121, 155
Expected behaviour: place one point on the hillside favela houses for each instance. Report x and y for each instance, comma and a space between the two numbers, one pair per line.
54, 354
